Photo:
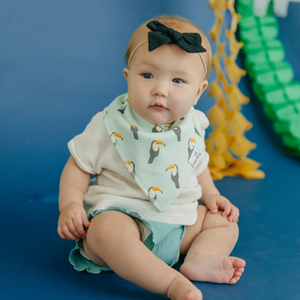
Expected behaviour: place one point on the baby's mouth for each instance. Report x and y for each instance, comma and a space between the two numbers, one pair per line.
158, 106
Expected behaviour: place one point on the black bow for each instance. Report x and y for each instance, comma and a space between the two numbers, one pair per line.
161, 34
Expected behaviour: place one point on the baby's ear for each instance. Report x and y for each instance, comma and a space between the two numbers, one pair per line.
201, 89
126, 72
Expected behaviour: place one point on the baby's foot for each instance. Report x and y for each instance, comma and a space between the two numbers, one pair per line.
217, 269
182, 289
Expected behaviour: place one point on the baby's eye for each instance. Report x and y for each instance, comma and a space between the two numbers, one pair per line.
178, 80
147, 75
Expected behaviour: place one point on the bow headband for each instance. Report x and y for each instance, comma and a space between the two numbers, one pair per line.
161, 35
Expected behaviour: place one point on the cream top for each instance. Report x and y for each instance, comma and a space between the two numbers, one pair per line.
94, 153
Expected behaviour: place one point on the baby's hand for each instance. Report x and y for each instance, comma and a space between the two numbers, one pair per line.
215, 202
71, 221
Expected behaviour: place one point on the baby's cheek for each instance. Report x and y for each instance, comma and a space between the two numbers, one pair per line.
181, 109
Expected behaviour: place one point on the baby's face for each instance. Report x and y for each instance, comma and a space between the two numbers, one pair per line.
164, 84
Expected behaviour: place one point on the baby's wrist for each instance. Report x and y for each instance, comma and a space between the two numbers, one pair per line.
69, 204
211, 194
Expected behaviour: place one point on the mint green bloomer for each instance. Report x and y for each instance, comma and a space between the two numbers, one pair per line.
164, 241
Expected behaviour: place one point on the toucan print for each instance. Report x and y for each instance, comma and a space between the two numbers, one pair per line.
125, 105
151, 193
177, 131
156, 128
174, 174
130, 166
115, 135
197, 132
191, 146
154, 150
134, 130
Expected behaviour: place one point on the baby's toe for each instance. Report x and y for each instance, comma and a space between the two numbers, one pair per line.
233, 280
238, 262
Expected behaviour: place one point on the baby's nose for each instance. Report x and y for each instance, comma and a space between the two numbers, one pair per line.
160, 90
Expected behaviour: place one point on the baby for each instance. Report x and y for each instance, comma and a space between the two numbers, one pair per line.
148, 154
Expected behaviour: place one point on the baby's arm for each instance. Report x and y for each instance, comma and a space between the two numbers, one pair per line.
212, 199
73, 185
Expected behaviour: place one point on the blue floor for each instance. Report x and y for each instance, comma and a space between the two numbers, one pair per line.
55, 65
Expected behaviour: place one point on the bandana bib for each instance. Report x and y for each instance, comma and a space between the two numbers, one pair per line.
160, 159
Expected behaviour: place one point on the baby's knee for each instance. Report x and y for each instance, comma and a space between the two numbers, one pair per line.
217, 220
100, 237
110, 229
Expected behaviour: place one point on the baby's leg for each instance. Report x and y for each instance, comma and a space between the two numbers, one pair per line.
209, 249
114, 238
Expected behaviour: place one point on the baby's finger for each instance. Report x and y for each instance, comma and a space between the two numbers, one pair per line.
227, 210
79, 230
212, 206
233, 217
72, 229
85, 220
236, 214
233, 214
60, 233
68, 235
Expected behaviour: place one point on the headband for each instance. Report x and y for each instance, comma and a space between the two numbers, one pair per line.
161, 35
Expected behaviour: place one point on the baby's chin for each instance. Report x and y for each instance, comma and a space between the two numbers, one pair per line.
159, 118
156, 117
159, 121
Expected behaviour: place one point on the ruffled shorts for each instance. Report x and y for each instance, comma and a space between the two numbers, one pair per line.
162, 239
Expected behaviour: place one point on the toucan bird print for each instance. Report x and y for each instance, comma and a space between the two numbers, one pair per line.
154, 150
177, 131
115, 135
152, 193
134, 130
130, 166
125, 105
191, 146
197, 132
174, 175
156, 128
